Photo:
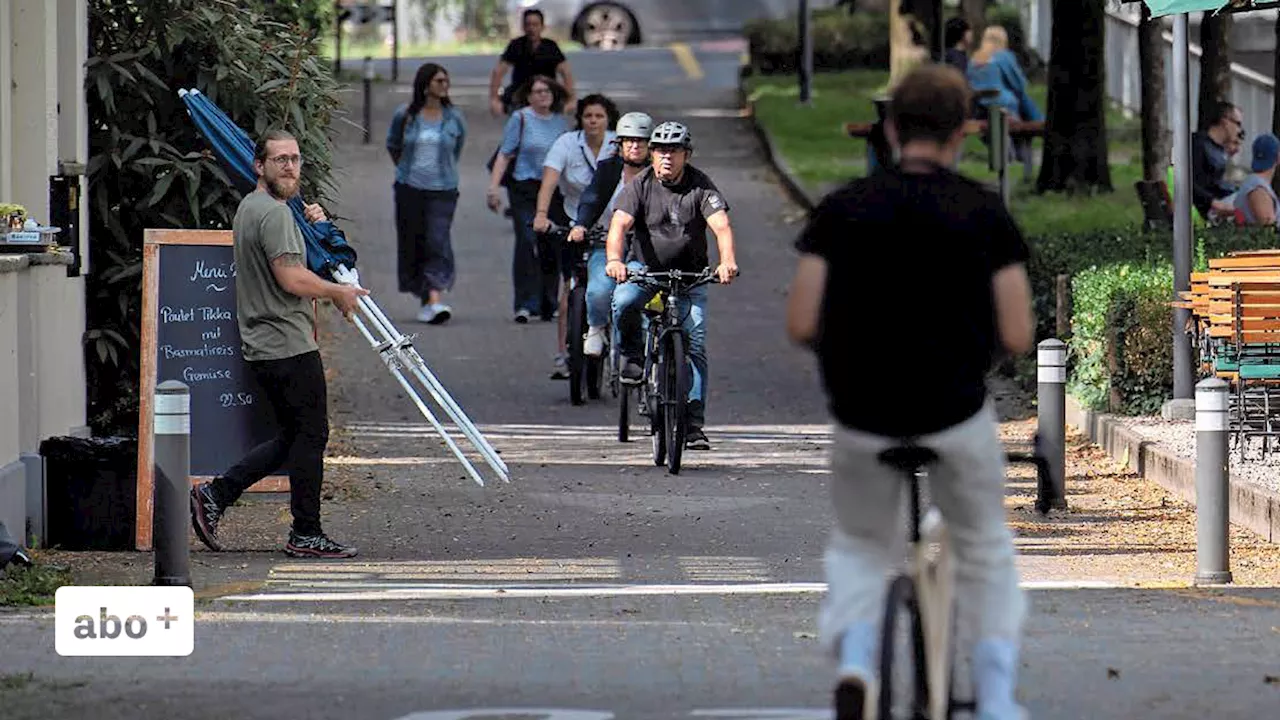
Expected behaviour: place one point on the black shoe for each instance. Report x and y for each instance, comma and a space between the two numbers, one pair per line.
695, 439
851, 699
318, 546
632, 373
22, 559
205, 514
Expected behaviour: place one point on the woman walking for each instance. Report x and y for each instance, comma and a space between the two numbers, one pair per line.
570, 166
425, 141
529, 134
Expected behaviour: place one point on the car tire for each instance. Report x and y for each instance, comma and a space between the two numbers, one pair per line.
606, 26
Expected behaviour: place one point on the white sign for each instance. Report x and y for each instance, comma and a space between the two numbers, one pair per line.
138, 621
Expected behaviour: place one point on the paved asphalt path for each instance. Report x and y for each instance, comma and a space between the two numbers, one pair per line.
594, 581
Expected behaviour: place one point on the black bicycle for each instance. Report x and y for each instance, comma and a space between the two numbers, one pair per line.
586, 372
664, 387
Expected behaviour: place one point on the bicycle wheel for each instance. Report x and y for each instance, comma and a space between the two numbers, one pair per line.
575, 331
675, 394
904, 680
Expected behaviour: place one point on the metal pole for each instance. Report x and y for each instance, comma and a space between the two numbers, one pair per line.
368, 97
337, 38
1183, 361
395, 40
1213, 555
172, 515
1051, 416
806, 53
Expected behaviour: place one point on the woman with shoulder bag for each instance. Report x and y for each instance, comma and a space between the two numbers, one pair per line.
425, 141
529, 135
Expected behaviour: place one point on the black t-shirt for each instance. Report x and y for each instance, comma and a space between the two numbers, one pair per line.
527, 61
670, 231
908, 330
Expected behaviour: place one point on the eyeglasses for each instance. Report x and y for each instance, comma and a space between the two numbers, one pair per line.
283, 160
633, 141
540, 91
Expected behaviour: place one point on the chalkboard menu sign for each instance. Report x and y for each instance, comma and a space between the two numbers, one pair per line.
189, 334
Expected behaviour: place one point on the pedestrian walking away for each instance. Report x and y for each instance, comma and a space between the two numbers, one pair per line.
570, 167
596, 206
529, 134
277, 329
670, 205
967, 258
528, 56
425, 140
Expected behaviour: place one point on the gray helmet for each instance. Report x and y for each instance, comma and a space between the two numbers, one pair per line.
671, 133
634, 125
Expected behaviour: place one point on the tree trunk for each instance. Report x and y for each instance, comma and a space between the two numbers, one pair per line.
904, 54
1215, 64
1156, 143
975, 11
1075, 141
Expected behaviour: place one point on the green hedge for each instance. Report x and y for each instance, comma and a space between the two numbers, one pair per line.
1120, 349
1071, 253
841, 41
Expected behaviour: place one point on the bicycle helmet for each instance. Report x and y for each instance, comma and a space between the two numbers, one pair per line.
672, 133
634, 125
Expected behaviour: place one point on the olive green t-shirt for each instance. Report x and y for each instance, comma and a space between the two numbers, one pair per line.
274, 324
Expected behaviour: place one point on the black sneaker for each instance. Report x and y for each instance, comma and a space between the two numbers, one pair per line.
695, 439
205, 514
319, 546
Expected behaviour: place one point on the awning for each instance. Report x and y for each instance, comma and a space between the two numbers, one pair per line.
1160, 8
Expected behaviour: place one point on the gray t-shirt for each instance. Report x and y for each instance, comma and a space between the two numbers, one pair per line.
274, 324
671, 221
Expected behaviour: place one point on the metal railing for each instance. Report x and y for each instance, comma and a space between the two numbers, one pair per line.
1251, 90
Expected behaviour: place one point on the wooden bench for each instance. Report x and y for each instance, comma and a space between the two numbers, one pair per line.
1019, 130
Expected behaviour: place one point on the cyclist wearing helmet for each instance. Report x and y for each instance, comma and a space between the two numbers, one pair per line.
596, 207
670, 205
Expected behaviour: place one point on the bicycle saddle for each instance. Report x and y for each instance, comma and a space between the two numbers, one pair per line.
908, 458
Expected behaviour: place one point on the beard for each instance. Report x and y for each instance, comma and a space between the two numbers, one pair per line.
282, 188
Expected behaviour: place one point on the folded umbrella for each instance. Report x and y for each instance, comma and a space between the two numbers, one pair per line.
327, 246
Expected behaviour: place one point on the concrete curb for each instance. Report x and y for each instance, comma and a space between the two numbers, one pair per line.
789, 180
1251, 507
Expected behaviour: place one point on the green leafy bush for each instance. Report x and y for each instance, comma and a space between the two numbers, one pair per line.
1120, 349
841, 40
149, 169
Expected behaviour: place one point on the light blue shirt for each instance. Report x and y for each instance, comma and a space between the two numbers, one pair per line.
571, 156
1251, 183
430, 150
539, 135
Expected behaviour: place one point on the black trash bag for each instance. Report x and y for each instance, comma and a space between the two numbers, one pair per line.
91, 489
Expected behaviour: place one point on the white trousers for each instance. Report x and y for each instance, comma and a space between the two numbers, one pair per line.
870, 537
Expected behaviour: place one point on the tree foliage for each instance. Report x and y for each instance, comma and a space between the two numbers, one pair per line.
149, 168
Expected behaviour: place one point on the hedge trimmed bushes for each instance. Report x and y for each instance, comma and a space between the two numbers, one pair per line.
1120, 346
841, 41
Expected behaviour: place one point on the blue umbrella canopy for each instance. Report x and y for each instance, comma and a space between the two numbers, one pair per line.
327, 246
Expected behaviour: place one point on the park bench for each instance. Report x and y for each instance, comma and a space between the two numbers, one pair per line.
1019, 130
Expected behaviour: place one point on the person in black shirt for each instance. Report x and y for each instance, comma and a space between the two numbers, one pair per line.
670, 205
1211, 150
910, 285
528, 56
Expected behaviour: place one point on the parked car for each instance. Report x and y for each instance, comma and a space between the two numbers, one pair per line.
615, 24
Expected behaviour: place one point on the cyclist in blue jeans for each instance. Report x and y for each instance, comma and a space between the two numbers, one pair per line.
670, 205
966, 259
596, 206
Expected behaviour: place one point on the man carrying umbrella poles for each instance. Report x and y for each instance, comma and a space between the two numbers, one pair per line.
273, 223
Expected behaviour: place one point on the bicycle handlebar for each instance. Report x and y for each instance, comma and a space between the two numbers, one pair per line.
561, 232
668, 278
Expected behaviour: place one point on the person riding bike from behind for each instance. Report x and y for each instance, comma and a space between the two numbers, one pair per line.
595, 208
670, 205
966, 259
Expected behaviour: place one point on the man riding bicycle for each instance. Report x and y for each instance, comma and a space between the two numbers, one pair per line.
670, 205
966, 260
596, 207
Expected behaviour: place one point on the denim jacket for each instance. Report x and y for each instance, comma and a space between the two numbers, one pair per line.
454, 131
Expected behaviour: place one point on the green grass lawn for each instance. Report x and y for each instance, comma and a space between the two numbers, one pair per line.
813, 141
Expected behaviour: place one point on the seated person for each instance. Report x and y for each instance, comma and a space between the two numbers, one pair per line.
958, 37
995, 67
1211, 148
1256, 200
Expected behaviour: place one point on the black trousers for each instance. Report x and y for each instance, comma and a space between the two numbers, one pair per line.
424, 220
295, 387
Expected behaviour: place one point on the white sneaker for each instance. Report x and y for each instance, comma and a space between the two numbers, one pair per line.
427, 313
594, 344
442, 314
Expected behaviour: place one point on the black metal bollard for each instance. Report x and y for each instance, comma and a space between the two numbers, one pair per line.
368, 98
1051, 415
172, 514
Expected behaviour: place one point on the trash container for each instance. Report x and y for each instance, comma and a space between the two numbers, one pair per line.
91, 490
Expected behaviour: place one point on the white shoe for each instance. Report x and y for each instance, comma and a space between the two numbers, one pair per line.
427, 314
594, 344
442, 314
